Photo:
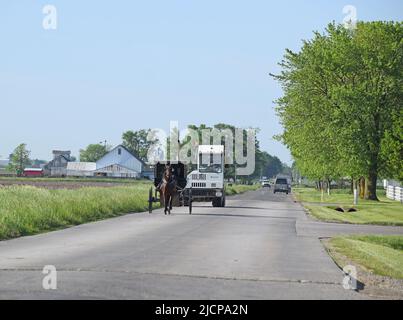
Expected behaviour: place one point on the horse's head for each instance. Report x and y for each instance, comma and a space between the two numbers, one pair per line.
168, 172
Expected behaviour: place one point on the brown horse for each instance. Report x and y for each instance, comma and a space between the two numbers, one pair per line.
168, 188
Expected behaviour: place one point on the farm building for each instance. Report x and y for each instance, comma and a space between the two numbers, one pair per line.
120, 163
33, 172
81, 169
58, 166
116, 171
148, 172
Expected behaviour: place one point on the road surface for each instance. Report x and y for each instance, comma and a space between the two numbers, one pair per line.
261, 246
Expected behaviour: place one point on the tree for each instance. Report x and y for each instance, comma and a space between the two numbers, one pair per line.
93, 152
19, 159
137, 142
342, 100
392, 149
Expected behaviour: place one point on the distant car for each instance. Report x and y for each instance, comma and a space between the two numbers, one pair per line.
281, 185
266, 184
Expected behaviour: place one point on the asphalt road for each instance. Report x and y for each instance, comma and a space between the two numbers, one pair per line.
261, 246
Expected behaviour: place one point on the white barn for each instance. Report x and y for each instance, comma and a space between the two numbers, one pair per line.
119, 163
81, 169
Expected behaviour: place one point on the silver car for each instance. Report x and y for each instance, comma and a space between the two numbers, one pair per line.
281, 185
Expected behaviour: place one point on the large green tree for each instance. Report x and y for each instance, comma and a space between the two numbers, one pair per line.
342, 102
19, 159
93, 152
137, 142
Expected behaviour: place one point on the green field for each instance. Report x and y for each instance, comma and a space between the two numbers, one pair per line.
383, 212
27, 210
381, 255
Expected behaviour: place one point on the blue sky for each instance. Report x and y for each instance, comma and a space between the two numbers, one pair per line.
116, 65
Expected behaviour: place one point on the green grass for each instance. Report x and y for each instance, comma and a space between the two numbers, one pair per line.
240, 188
26, 210
383, 212
381, 255
313, 195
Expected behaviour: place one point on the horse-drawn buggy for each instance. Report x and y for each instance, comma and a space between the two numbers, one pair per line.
169, 189
175, 187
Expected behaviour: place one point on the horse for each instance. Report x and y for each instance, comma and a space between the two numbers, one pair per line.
168, 188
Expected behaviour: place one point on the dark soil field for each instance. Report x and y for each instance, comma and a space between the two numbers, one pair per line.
59, 184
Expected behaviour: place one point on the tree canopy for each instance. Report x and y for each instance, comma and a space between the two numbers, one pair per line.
19, 159
93, 152
137, 142
342, 103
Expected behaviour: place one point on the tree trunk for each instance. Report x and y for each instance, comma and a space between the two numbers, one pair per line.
322, 191
370, 193
373, 165
362, 187
352, 185
328, 186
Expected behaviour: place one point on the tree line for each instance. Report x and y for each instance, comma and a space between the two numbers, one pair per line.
136, 141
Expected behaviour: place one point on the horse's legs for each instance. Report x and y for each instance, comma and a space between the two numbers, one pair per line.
165, 202
170, 202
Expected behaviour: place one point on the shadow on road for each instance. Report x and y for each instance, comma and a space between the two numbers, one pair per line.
259, 208
240, 216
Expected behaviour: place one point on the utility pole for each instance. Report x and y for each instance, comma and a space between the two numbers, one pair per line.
103, 142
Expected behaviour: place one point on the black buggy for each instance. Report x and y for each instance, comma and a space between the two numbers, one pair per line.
183, 196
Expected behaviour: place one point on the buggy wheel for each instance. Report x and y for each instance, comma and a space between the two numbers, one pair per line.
150, 200
190, 201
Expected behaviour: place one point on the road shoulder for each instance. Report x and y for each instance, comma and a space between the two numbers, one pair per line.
370, 284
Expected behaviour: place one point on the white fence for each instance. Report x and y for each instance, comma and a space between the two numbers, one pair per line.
394, 193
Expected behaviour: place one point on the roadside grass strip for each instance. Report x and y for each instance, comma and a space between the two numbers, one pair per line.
27, 210
380, 255
384, 212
